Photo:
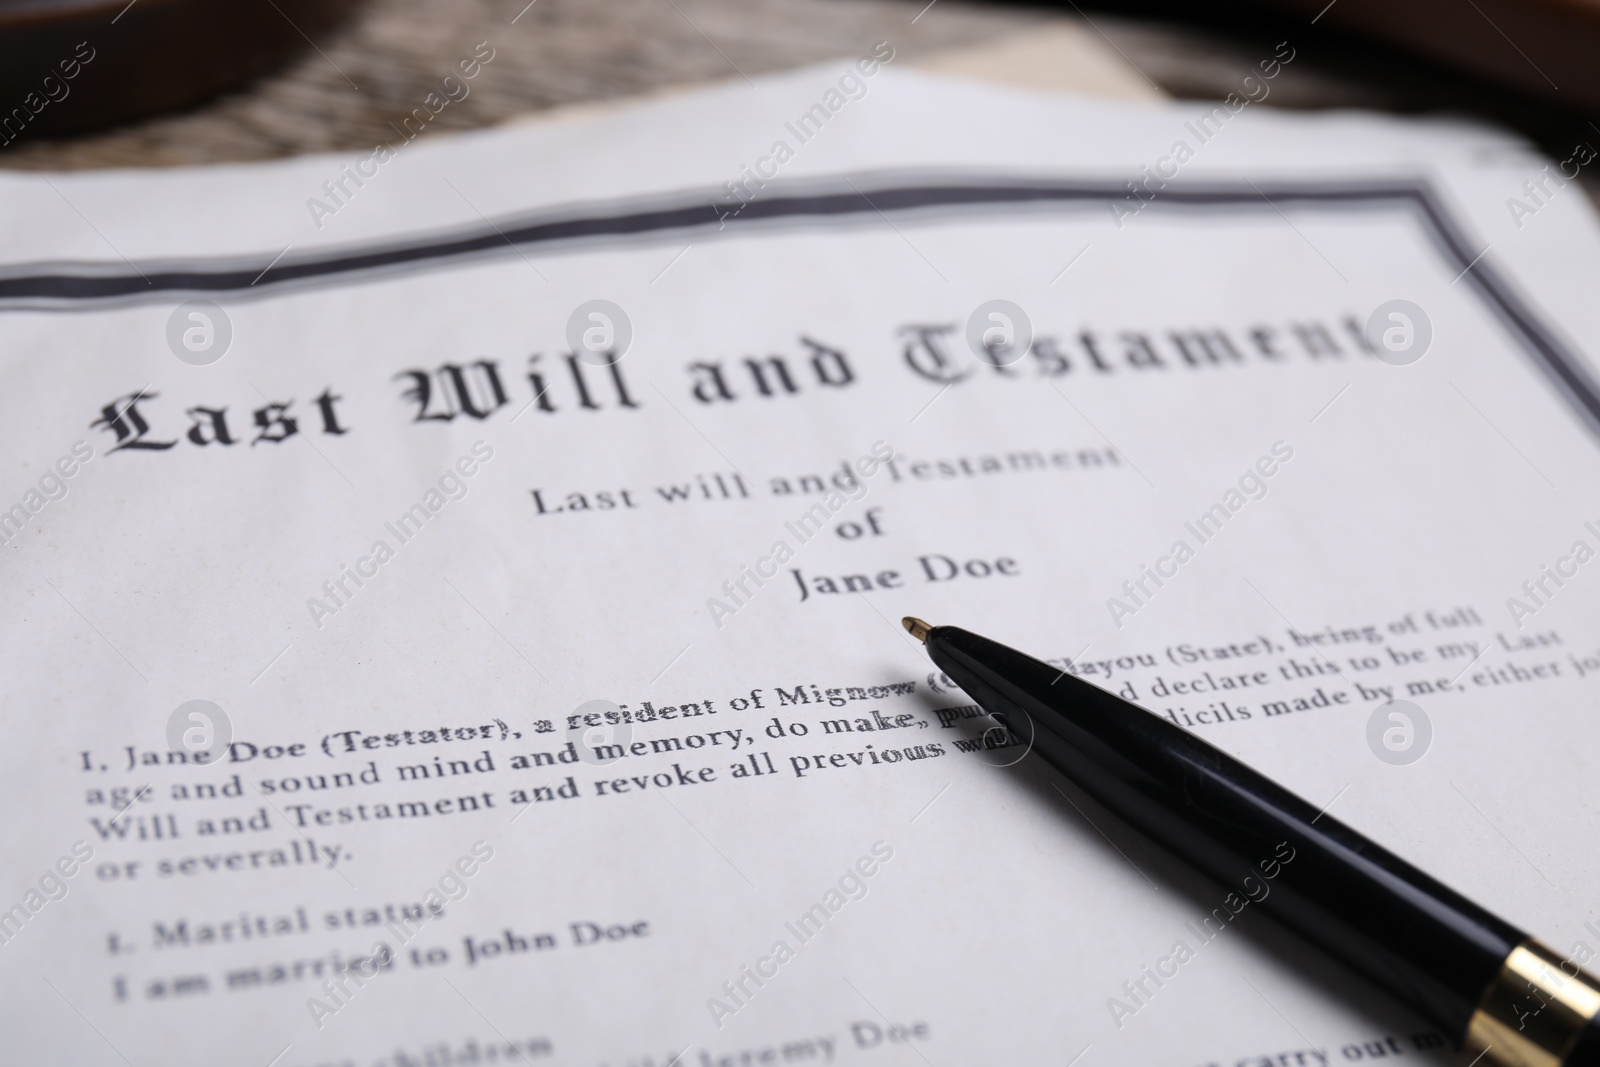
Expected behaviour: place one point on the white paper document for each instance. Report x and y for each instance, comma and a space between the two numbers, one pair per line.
452, 593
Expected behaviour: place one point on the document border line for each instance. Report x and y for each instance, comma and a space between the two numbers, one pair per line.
821, 202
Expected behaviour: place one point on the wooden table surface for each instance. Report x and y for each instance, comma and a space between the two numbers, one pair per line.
348, 89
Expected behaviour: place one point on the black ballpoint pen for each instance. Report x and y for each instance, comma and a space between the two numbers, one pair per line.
1498, 992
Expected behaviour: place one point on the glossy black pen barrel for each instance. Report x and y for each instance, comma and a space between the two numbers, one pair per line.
1399, 927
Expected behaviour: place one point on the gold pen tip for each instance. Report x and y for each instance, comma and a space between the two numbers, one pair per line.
916, 628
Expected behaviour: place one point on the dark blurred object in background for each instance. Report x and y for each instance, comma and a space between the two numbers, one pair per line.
1546, 48
67, 66
1201, 51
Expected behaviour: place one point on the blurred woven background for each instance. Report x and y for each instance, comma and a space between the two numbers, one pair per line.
347, 88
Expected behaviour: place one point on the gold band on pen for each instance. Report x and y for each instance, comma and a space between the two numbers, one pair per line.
1533, 1012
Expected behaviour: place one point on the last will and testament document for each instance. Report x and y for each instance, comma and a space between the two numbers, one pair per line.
451, 593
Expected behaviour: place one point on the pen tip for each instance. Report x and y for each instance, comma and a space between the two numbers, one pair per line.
916, 628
